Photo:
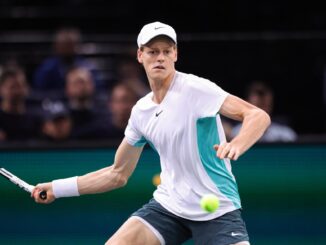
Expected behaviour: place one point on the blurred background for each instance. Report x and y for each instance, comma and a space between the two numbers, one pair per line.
69, 78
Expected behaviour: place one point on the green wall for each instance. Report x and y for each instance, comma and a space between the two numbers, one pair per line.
282, 188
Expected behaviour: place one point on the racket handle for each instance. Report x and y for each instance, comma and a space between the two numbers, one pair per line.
43, 195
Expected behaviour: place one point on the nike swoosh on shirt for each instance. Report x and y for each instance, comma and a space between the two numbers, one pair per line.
236, 234
158, 113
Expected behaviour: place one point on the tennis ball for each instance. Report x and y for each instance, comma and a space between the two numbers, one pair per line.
156, 179
209, 203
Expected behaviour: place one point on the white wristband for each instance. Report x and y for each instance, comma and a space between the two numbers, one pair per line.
65, 187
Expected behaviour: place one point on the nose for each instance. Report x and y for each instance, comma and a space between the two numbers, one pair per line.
160, 56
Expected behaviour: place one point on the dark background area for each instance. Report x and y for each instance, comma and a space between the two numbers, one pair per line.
229, 42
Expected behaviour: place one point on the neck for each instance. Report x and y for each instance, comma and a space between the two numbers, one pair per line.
160, 88
17, 108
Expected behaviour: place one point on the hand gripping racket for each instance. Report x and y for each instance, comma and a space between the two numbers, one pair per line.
19, 182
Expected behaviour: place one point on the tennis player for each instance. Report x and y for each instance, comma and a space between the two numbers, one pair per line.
180, 119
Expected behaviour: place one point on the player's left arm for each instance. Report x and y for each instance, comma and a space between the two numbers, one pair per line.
254, 123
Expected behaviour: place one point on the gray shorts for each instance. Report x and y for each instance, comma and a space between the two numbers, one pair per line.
172, 230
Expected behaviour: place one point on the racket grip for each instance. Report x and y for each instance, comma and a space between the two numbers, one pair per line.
43, 195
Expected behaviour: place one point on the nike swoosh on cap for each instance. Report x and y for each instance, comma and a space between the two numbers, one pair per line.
156, 28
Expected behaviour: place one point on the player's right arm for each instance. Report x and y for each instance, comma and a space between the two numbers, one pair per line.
102, 180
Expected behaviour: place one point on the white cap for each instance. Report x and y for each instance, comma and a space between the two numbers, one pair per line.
151, 30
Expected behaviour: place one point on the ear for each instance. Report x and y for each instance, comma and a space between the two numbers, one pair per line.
139, 56
176, 54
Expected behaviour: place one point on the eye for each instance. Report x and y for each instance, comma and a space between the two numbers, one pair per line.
167, 52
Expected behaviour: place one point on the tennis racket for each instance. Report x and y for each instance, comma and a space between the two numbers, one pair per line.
20, 183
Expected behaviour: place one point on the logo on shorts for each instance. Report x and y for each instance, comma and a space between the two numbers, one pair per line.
236, 234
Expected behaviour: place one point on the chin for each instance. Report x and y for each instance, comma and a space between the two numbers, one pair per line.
158, 76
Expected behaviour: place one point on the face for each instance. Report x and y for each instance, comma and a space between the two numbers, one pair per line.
121, 102
79, 84
262, 100
66, 43
158, 58
58, 129
14, 88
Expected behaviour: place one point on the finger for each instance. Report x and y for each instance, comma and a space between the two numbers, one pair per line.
225, 151
216, 146
36, 196
39, 199
34, 192
220, 150
231, 154
236, 155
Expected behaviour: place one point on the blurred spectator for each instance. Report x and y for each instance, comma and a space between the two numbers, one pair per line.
57, 124
121, 100
79, 88
85, 110
17, 122
50, 75
262, 96
131, 73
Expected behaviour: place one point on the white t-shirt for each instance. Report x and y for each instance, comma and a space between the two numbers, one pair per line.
183, 129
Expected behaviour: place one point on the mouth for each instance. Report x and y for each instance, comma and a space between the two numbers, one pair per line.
159, 67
